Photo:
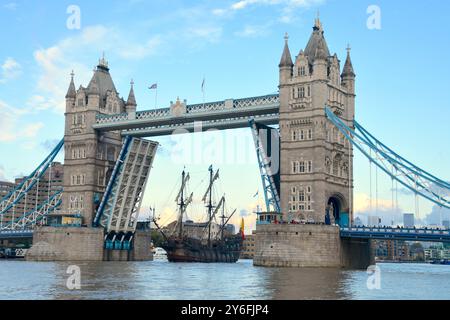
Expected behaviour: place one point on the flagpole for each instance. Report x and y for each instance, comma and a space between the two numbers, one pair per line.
156, 96
203, 90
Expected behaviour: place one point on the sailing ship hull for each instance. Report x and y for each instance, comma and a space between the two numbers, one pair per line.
193, 250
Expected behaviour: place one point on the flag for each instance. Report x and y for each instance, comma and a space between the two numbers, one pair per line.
203, 85
242, 229
256, 194
153, 86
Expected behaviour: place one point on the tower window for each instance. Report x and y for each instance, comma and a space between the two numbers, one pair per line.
301, 196
294, 135
301, 92
302, 70
302, 167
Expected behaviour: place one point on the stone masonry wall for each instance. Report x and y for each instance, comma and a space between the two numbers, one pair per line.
66, 244
308, 246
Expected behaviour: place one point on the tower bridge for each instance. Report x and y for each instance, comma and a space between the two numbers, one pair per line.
306, 167
226, 114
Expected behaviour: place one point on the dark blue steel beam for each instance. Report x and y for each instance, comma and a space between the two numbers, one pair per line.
16, 234
426, 235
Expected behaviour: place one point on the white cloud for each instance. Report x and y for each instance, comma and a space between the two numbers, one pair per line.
10, 69
10, 6
208, 33
253, 30
219, 12
242, 4
11, 124
381, 208
288, 10
140, 51
31, 130
57, 61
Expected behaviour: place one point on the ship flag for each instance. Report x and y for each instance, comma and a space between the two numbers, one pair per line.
242, 229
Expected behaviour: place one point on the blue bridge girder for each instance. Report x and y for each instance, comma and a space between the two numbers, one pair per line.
16, 234
220, 115
426, 235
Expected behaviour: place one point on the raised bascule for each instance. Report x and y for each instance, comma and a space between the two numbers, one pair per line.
306, 167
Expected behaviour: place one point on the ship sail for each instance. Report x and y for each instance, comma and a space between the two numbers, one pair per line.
189, 246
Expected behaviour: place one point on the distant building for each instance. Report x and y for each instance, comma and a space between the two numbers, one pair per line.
5, 188
408, 220
248, 246
50, 182
437, 253
358, 222
446, 224
395, 250
374, 221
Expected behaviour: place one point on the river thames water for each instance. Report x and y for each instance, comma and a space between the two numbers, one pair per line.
160, 279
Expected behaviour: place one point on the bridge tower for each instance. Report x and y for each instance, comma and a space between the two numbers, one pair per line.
90, 156
316, 159
316, 180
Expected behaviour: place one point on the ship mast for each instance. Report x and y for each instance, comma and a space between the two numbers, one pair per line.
183, 203
210, 204
223, 218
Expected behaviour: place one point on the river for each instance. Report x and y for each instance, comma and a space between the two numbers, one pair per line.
160, 279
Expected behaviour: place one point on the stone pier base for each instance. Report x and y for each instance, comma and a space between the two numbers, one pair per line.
308, 246
83, 244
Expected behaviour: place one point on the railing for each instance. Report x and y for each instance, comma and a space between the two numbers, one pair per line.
106, 118
397, 230
225, 105
408, 234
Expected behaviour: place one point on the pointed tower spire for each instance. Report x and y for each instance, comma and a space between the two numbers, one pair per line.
286, 60
317, 45
102, 63
131, 98
348, 67
71, 92
317, 23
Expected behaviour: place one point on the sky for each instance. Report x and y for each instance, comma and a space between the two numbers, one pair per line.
401, 64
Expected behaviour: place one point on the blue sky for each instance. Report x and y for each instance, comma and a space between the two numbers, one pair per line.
402, 75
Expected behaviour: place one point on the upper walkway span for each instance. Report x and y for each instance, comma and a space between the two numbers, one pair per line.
226, 114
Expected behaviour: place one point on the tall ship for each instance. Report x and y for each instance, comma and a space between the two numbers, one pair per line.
221, 246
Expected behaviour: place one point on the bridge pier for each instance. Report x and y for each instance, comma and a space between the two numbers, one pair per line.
304, 245
84, 244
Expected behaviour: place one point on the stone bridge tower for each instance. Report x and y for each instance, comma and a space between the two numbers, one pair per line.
316, 159
90, 156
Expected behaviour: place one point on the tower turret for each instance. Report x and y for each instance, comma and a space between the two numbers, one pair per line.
131, 102
348, 74
71, 94
320, 63
286, 64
